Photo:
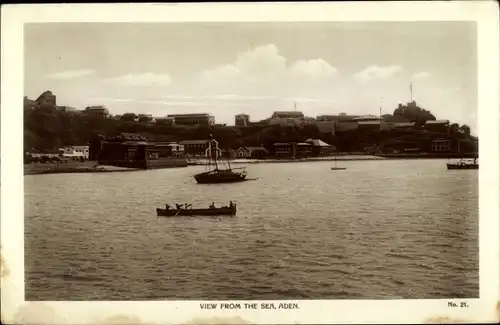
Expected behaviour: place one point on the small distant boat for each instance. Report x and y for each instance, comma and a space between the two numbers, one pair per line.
216, 172
463, 165
211, 211
335, 165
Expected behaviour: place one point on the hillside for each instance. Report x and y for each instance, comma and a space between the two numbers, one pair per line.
47, 129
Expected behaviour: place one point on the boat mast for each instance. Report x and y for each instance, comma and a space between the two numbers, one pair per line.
213, 151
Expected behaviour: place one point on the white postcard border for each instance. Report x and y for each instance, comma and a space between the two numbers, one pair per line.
15, 310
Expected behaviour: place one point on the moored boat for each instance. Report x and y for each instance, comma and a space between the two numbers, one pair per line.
217, 173
211, 211
463, 165
220, 176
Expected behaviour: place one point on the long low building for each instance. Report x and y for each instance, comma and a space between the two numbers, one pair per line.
132, 151
192, 119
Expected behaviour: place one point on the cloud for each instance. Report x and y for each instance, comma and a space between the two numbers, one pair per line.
227, 71
262, 62
71, 74
421, 75
263, 70
377, 72
147, 79
316, 68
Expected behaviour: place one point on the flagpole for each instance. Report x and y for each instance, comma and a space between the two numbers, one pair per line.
380, 110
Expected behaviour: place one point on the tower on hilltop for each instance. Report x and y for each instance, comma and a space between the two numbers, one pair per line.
242, 119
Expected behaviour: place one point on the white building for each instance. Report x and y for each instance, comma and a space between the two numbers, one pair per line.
177, 149
75, 151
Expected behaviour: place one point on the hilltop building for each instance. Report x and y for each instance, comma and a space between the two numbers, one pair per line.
193, 119
97, 111
47, 98
442, 126
242, 119
285, 118
166, 120
146, 118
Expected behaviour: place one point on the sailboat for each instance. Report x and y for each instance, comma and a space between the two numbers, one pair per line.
335, 165
217, 172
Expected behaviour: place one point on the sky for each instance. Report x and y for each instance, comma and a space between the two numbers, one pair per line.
256, 68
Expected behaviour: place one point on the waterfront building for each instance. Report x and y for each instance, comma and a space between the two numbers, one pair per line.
283, 149
400, 145
132, 151
295, 149
75, 151
123, 150
250, 152
193, 119
177, 149
441, 145
319, 147
242, 119
194, 147
303, 149
169, 149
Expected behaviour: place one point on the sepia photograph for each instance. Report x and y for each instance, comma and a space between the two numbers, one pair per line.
250, 165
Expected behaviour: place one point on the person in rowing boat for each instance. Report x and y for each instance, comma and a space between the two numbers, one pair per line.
178, 206
231, 204
212, 206
167, 206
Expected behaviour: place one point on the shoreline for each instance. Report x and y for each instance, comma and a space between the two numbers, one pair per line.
94, 167
72, 168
